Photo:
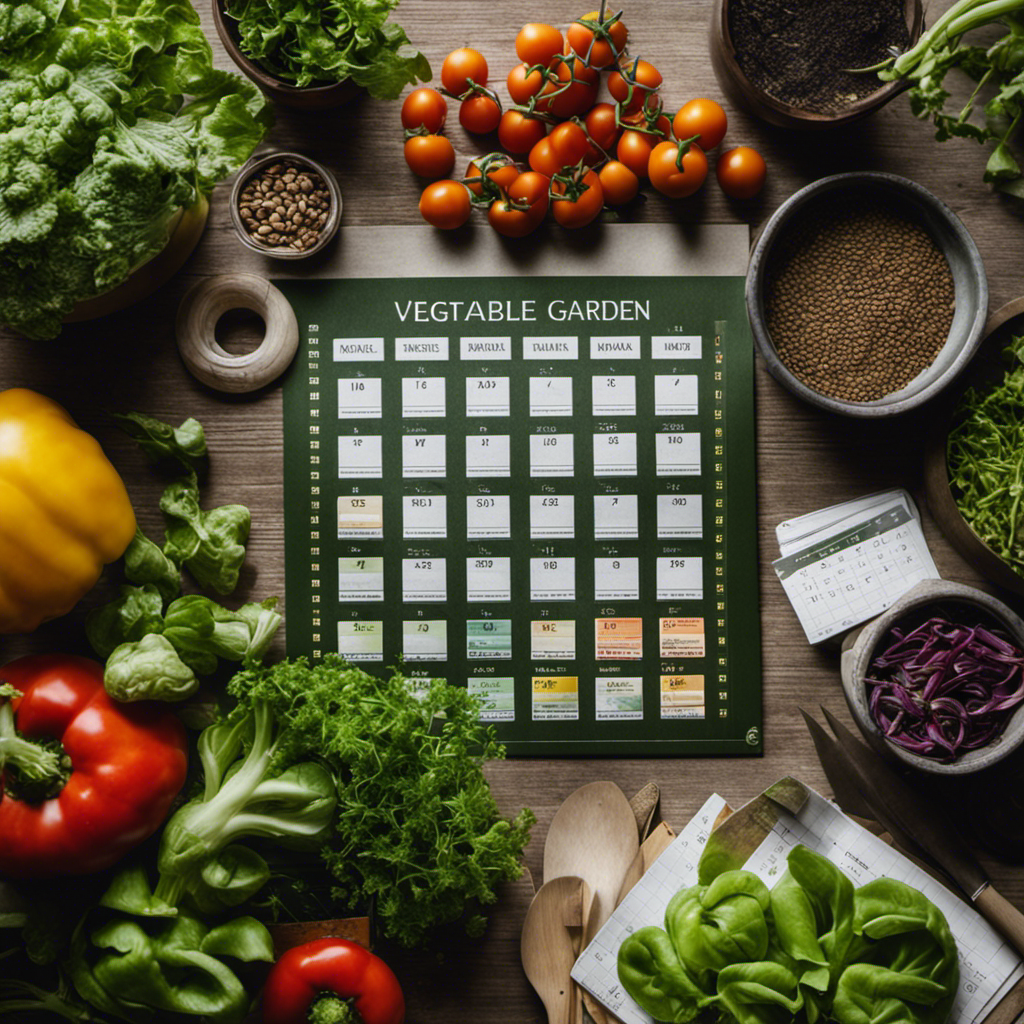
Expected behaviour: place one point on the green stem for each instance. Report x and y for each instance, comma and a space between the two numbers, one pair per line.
32, 762
331, 1009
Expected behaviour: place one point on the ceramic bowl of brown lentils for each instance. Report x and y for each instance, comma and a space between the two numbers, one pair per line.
866, 295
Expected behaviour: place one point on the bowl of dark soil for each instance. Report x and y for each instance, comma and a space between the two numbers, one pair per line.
795, 65
866, 294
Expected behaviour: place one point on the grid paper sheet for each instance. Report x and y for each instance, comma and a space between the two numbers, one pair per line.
989, 968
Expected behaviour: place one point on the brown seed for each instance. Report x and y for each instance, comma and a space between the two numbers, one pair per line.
265, 229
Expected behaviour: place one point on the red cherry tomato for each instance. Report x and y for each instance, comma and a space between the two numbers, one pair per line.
600, 52
640, 77
461, 67
424, 108
529, 187
577, 213
479, 114
574, 90
445, 204
429, 156
543, 159
518, 133
602, 129
620, 184
668, 177
521, 86
634, 147
501, 174
741, 172
701, 117
568, 143
537, 43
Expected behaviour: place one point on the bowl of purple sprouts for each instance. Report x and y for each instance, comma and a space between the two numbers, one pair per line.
938, 680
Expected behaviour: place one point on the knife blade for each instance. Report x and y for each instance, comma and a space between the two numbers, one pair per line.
847, 795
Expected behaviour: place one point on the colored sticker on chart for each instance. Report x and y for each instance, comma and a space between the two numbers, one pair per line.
615, 455
553, 579
487, 396
618, 639
361, 641
552, 515
425, 640
551, 396
617, 698
553, 639
423, 397
681, 638
359, 457
682, 697
680, 579
488, 579
615, 516
680, 515
424, 515
488, 515
613, 396
488, 455
617, 579
489, 639
361, 516
497, 696
551, 455
423, 455
675, 395
359, 398
360, 579
424, 579
556, 697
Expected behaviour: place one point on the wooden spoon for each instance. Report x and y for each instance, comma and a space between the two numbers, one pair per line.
554, 924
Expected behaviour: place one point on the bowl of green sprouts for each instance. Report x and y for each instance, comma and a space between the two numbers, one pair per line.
974, 470
317, 55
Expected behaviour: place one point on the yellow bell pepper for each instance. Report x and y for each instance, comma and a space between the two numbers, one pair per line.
64, 511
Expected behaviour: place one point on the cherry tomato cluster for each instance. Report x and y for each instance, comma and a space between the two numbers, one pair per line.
582, 154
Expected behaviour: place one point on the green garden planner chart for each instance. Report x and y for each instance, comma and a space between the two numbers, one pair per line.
533, 474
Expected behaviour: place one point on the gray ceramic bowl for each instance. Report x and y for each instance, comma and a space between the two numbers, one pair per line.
859, 650
970, 283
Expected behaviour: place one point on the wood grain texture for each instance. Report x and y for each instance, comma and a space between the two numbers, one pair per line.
805, 458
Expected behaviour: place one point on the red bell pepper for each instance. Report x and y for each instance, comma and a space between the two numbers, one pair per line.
121, 767
332, 981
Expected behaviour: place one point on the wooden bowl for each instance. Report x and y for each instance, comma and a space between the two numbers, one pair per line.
310, 97
987, 368
756, 101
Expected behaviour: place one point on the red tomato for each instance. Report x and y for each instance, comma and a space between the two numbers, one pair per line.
429, 156
634, 84
620, 184
530, 187
461, 68
501, 174
522, 87
577, 85
741, 172
704, 118
424, 108
599, 44
518, 133
479, 114
537, 43
634, 147
577, 213
668, 177
568, 143
601, 125
543, 159
445, 204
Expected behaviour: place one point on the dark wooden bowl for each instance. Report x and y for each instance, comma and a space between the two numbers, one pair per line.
311, 97
987, 367
756, 101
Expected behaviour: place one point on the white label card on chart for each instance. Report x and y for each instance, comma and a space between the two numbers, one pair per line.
423, 397
360, 579
359, 457
675, 395
551, 455
561, 347
551, 396
615, 455
553, 639
424, 515
553, 579
677, 454
359, 398
613, 396
421, 350
424, 579
485, 350
423, 455
552, 515
675, 346
488, 579
615, 515
361, 640
487, 396
488, 515
616, 579
425, 640
358, 350
680, 515
488, 455
680, 579
615, 346
361, 516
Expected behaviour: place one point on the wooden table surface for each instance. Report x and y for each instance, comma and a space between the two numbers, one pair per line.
805, 459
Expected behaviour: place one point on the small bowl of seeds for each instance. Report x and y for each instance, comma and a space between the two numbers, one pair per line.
285, 205
866, 295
